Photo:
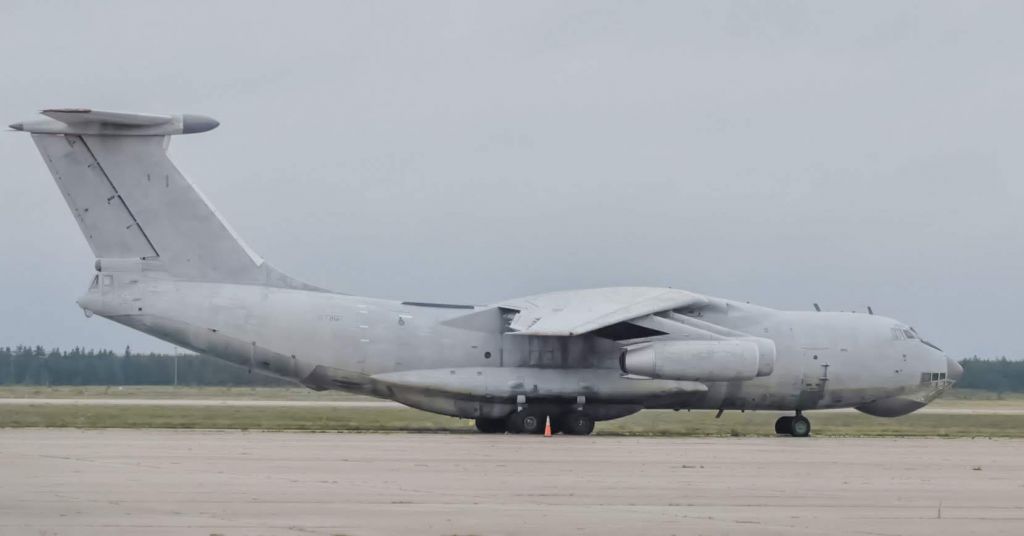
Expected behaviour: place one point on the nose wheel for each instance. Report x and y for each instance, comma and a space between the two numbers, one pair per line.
797, 426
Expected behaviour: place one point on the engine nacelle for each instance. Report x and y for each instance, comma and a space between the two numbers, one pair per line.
705, 361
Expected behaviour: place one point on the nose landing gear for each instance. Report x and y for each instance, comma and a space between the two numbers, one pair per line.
797, 426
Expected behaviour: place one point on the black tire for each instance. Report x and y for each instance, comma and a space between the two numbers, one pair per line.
512, 424
784, 425
577, 423
490, 426
800, 427
525, 422
531, 423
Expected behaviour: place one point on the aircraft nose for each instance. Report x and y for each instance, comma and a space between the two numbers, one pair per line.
953, 370
89, 302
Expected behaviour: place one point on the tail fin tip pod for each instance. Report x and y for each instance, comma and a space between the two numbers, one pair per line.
130, 201
194, 124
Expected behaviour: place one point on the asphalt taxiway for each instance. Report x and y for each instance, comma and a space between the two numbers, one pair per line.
65, 481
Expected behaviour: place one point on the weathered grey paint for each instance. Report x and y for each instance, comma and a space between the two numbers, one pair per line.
169, 266
700, 360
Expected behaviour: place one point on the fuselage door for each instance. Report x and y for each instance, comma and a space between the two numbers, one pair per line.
814, 381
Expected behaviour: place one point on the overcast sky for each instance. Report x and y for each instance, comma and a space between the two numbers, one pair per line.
782, 153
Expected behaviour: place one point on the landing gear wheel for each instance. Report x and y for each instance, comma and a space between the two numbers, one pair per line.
490, 426
577, 423
800, 427
783, 425
512, 424
525, 422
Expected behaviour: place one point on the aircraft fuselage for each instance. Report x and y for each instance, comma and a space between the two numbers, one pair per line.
335, 341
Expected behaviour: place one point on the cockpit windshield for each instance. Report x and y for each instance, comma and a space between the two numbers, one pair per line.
906, 333
901, 333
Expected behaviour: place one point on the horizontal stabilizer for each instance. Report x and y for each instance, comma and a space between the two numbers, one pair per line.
83, 121
85, 115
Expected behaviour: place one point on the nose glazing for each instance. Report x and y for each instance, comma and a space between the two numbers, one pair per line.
953, 370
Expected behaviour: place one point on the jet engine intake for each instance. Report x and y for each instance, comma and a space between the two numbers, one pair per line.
703, 361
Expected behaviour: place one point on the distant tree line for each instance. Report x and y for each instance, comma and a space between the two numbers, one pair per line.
1000, 375
27, 365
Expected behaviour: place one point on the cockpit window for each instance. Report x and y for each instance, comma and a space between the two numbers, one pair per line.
95, 282
901, 334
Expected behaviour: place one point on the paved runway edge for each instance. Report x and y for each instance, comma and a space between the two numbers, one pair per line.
150, 482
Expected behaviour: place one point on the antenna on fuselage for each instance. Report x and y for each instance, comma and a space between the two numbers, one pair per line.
817, 308
870, 312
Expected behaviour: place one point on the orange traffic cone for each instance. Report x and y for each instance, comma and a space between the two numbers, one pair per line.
547, 427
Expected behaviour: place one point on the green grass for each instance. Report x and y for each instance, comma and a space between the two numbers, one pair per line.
981, 394
168, 392
649, 423
954, 398
646, 423
230, 417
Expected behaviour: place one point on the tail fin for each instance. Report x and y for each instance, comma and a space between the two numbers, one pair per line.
132, 203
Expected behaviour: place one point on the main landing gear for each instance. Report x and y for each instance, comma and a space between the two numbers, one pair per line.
527, 421
797, 426
576, 423
491, 426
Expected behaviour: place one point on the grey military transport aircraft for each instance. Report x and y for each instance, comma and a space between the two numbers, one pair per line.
168, 265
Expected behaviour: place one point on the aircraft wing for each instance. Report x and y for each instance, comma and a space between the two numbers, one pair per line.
563, 314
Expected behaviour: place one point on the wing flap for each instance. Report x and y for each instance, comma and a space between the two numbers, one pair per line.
565, 314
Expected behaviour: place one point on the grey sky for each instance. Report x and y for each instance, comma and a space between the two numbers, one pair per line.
783, 153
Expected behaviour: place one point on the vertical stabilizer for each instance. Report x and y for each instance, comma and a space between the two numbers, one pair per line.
131, 202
